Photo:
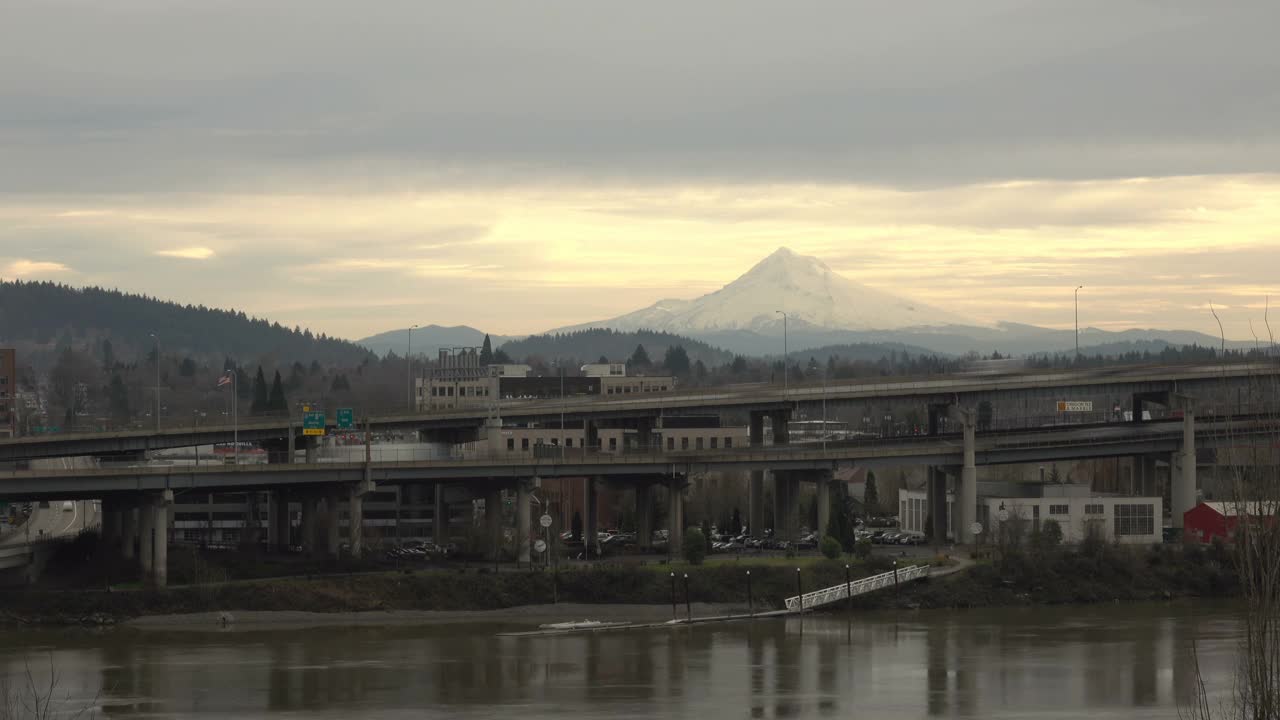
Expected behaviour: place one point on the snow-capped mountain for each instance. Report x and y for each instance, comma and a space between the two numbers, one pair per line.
803, 287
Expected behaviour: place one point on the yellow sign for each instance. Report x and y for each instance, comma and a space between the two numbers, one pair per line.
313, 431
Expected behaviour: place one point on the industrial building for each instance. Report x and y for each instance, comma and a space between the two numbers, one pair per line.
1077, 511
458, 380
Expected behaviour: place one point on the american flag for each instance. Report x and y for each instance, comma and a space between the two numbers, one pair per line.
225, 379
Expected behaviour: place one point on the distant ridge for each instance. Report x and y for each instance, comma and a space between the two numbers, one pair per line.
41, 315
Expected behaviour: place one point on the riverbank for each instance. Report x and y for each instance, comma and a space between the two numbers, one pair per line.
1089, 574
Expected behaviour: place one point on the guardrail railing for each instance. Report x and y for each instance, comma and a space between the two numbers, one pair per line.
835, 593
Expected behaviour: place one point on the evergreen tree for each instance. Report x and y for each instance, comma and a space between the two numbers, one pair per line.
118, 400
639, 358
871, 495
276, 403
840, 523
676, 361
486, 351
340, 383
260, 403
500, 357
108, 356
735, 525
244, 388
603, 360
187, 368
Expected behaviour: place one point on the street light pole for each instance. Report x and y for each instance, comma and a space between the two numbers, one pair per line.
1077, 297
409, 367
784, 349
157, 339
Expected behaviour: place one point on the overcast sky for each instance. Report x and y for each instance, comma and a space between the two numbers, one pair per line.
356, 167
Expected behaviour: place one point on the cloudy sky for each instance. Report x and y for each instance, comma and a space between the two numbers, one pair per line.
356, 167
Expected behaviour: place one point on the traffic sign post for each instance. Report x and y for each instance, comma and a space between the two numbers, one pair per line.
313, 423
346, 419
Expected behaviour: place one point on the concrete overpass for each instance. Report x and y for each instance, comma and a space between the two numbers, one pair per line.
136, 500
1141, 382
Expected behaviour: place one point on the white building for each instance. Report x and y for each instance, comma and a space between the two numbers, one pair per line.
1130, 520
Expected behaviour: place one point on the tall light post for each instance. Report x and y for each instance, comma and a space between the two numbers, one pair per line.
784, 349
157, 339
1077, 297
408, 356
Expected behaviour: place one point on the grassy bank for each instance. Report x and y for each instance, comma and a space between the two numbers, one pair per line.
1092, 573
444, 589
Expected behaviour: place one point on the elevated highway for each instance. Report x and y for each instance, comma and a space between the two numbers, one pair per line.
1023, 446
740, 398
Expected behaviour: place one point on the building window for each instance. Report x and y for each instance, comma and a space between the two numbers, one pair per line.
555, 441
671, 443
613, 443
1134, 520
524, 443
568, 442
1093, 509
698, 443
728, 443
511, 444
715, 443
1059, 510
684, 443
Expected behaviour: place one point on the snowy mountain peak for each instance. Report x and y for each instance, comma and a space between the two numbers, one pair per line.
801, 286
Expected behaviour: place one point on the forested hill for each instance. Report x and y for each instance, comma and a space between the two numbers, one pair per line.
590, 345
47, 314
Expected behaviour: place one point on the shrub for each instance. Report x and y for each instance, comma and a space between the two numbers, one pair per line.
862, 549
695, 546
831, 547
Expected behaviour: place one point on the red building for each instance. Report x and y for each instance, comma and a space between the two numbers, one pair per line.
1210, 520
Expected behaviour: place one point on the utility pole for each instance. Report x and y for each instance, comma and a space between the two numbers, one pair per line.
1077, 296
784, 349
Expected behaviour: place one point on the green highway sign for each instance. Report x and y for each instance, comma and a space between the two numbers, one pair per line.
313, 423
346, 418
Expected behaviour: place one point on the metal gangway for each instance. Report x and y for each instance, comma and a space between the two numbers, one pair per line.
836, 593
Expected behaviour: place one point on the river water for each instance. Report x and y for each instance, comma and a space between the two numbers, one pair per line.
1053, 662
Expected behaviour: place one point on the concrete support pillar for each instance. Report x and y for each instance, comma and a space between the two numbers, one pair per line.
251, 534
755, 504
823, 481
937, 503
160, 539
292, 448
310, 522
675, 516
786, 505
1182, 495
781, 431
110, 528
644, 434
280, 523
755, 486
523, 501
644, 516
966, 504
128, 515
355, 511
333, 540
493, 521
309, 443
590, 538
146, 529
440, 517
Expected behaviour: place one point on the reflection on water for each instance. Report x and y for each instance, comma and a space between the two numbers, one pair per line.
1057, 662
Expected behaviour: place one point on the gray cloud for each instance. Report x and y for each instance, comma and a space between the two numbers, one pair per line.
162, 96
